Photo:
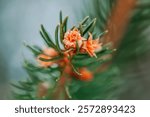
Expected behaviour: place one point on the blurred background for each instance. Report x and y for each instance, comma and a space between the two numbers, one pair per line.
20, 22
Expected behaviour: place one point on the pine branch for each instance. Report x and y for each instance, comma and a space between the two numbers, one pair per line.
58, 68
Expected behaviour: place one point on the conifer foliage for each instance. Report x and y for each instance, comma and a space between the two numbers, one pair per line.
133, 47
67, 65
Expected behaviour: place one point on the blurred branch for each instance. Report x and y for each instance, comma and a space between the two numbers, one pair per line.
118, 21
117, 24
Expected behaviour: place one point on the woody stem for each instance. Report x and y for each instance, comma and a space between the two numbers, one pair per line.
60, 91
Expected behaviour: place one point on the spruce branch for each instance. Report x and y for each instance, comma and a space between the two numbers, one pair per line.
58, 68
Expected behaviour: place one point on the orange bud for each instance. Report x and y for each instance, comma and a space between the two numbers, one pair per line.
48, 54
91, 46
71, 37
44, 63
43, 89
86, 75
